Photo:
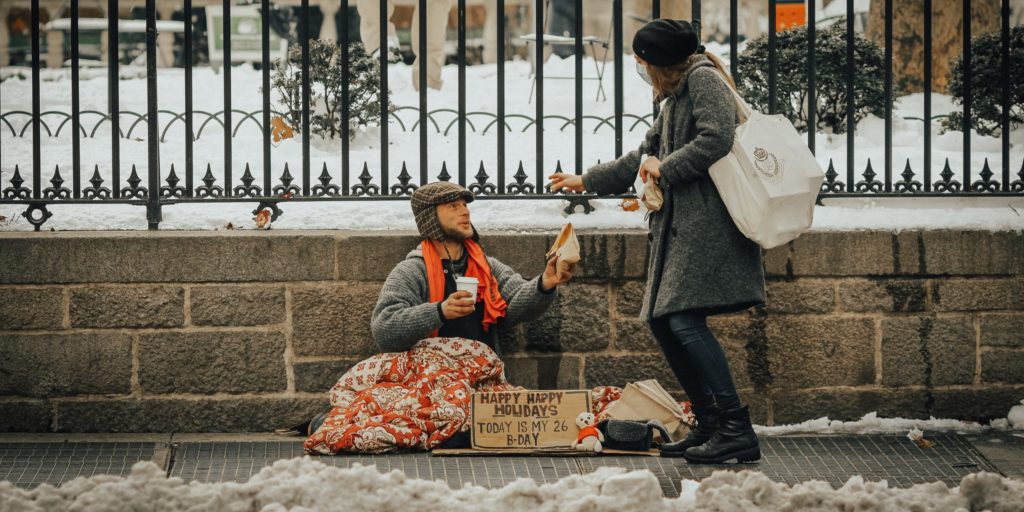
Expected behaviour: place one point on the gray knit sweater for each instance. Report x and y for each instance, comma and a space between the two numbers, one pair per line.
404, 314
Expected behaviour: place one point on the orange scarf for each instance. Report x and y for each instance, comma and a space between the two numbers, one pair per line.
487, 291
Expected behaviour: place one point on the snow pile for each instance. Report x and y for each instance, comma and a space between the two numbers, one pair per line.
872, 424
306, 484
1016, 416
748, 490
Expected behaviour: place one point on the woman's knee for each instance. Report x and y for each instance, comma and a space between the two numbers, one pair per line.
687, 326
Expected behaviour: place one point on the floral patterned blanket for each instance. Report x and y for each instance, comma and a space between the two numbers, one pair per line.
415, 400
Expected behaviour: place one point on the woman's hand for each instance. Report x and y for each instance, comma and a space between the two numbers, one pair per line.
561, 180
651, 166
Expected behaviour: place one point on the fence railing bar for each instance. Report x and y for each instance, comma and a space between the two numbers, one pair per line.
37, 156
189, 133
1005, 73
422, 58
578, 30
850, 120
772, 55
812, 72
113, 99
966, 126
927, 95
344, 41
462, 91
226, 31
76, 136
152, 121
695, 17
734, 57
265, 64
888, 95
383, 54
501, 95
655, 14
618, 72
306, 93
538, 76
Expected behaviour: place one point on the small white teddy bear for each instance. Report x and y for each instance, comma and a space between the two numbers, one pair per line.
589, 438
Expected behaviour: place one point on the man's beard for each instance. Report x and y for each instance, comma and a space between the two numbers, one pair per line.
457, 235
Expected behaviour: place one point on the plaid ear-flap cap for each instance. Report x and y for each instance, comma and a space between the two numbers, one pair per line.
426, 198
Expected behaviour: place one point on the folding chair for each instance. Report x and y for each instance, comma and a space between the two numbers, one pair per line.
553, 40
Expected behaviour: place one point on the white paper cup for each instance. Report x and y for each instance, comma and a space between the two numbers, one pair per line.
467, 284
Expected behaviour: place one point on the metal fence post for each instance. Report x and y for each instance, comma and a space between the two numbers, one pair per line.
152, 121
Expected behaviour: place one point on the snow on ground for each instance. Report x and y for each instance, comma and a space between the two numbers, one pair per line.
872, 424
598, 145
306, 484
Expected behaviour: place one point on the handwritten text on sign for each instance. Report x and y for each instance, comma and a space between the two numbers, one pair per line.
527, 419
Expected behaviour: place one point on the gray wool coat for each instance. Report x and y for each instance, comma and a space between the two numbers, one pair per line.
699, 261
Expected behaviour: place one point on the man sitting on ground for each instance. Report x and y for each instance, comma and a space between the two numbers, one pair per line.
420, 300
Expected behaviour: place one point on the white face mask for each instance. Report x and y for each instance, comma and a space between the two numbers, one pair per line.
642, 71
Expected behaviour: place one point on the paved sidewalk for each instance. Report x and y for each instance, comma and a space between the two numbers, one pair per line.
32, 459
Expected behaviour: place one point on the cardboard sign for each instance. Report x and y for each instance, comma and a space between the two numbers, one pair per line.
527, 420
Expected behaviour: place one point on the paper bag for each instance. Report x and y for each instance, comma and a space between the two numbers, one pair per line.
650, 193
647, 400
566, 247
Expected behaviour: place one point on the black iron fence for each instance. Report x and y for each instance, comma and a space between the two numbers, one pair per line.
157, 187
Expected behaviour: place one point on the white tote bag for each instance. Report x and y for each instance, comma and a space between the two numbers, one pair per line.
770, 180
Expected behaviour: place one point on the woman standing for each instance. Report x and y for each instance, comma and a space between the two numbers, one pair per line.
700, 264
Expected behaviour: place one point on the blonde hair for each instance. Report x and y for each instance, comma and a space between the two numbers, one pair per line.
665, 80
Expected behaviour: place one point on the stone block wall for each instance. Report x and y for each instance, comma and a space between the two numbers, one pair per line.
246, 331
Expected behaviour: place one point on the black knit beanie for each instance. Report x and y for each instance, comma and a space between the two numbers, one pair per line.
664, 42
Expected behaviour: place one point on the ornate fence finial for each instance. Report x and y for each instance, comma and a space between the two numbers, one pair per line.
57, 191
947, 183
985, 184
482, 186
403, 187
209, 189
520, 187
172, 189
247, 189
134, 191
96, 191
16, 191
286, 187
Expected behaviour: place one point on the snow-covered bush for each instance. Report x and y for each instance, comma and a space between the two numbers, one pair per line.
325, 81
987, 82
830, 76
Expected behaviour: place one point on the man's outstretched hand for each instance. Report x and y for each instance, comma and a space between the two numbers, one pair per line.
458, 305
552, 277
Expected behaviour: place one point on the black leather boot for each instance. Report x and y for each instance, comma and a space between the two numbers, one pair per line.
305, 428
707, 424
317, 422
735, 439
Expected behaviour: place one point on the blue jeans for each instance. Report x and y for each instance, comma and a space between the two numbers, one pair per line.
697, 359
